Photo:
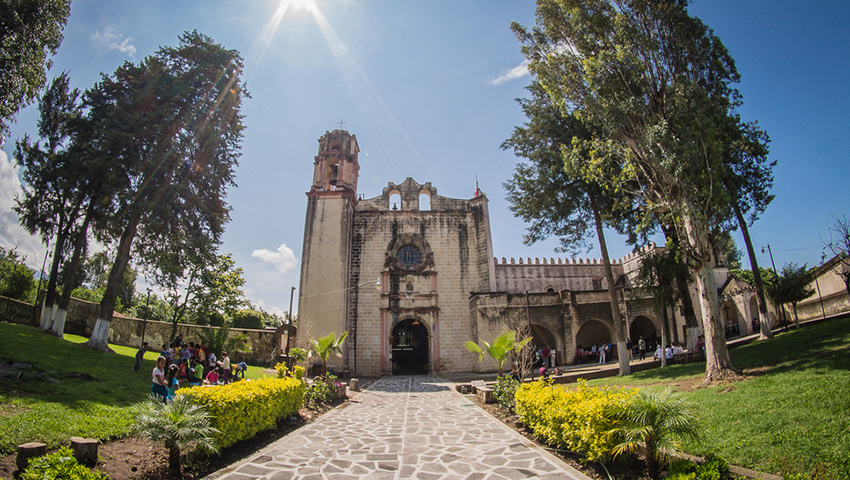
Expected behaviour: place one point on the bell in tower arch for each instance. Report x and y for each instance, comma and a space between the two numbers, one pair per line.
336, 165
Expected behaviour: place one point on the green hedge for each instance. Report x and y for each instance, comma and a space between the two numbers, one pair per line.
241, 410
576, 419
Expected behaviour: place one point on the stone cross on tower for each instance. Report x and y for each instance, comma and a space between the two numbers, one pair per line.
340, 124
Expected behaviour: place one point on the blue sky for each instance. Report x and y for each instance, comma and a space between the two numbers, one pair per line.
429, 89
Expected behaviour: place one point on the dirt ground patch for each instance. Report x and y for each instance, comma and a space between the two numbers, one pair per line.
135, 459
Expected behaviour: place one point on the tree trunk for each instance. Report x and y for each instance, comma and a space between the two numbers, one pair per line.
178, 312
622, 351
665, 338
100, 335
764, 321
47, 309
174, 462
796, 318
58, 328
673, 330
691, 323
718, 364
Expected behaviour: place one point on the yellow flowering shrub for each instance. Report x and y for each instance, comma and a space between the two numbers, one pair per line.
282, 371
241, 410
576, 419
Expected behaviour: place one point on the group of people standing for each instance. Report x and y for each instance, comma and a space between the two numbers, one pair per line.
193, 364
597, 353
546, 357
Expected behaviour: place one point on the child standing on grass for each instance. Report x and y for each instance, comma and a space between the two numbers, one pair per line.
139, 356
158, 385
225, 365
198, 372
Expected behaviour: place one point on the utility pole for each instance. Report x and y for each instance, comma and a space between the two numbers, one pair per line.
147, 315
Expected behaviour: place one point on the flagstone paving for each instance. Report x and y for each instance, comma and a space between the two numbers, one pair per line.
403, 427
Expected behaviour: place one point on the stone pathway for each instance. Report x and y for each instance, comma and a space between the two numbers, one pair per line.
403, 427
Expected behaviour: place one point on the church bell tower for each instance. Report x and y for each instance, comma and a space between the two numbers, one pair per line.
326, 251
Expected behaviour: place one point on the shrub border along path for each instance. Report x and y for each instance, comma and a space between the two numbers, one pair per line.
405, 427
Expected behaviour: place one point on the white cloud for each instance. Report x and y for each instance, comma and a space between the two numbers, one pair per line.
11, 233
519, 71
272, 309
283, 259
112, 40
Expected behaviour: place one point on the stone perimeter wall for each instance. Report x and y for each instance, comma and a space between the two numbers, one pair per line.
127, 331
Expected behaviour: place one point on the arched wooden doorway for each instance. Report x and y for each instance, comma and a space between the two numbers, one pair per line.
410, 348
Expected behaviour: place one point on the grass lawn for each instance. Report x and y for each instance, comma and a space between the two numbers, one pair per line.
45, 405
790, 415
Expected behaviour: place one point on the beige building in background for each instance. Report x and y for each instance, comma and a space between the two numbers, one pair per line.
410, 274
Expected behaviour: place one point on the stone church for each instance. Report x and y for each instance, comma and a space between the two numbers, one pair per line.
410, 275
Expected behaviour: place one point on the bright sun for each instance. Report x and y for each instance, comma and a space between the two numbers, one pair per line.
309, 5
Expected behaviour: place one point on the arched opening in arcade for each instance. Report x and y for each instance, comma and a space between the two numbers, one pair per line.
543, 338
594, 332
643, 326
731, 318
754, 314
410, 348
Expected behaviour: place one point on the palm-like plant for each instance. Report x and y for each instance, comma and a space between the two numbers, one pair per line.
179, 424
654, 422
325, 346
500, 349
220, 340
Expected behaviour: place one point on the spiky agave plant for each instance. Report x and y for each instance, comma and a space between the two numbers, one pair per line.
180, 424
654, 422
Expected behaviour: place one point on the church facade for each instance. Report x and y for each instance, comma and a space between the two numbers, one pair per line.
411, 276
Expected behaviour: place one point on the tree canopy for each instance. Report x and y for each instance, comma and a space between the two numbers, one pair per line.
30, 32
791, 286
555, 195
167, 132
657, 84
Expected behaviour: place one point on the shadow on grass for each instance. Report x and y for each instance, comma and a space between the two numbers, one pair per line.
822, 345
51, 359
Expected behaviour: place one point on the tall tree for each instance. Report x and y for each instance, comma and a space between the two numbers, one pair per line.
838, 242
748, 179
16, 279
220, 288
173, 127
30, 32
657, 82
792, 286
554, 196
52, 202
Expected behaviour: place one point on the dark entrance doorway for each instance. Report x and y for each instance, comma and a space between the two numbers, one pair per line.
410, 348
